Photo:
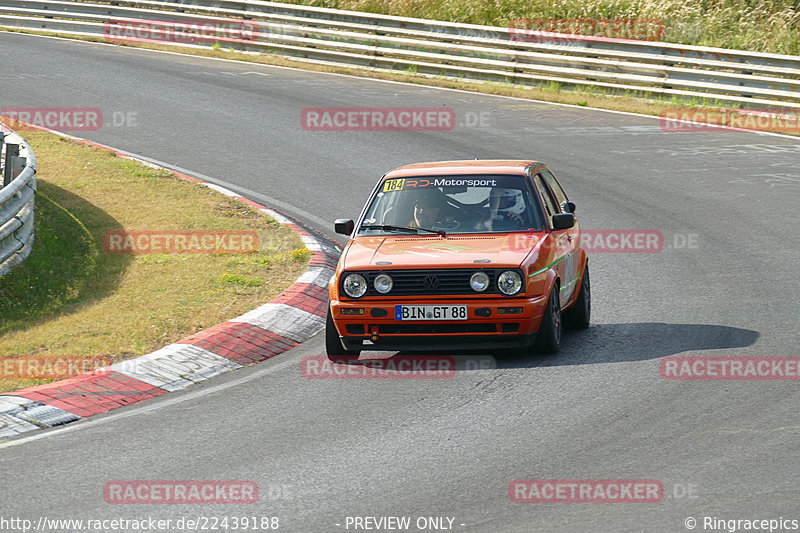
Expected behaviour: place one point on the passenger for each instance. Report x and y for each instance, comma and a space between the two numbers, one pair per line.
506, 207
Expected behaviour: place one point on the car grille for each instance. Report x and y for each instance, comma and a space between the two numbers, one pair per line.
430, 282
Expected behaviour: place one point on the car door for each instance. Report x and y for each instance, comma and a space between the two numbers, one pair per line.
566, 240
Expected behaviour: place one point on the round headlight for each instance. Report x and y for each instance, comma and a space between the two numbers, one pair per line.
383, 283
509, 282
479, 281
355, 286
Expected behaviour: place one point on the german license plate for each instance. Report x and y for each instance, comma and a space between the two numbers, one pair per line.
430, 312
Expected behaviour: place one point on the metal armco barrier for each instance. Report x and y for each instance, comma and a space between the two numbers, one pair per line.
17, 196
435, 48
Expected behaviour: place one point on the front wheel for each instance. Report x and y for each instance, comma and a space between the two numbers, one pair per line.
548, 339
333, 344
580, 313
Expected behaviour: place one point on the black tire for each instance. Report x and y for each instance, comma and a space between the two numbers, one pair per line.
333, 344
579, 315
548, 339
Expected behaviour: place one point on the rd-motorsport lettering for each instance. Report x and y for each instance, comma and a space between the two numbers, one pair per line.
405, 183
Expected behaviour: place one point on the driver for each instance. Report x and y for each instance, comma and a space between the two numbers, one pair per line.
430, 212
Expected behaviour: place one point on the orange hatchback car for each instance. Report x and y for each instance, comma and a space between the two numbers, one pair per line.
460, 255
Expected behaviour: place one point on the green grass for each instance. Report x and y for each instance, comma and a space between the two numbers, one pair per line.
72, 298
62, 262
757, 25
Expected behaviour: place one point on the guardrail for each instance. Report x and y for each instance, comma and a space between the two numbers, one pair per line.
17, 194
434, 48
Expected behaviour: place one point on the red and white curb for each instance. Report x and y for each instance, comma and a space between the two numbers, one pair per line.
289, 319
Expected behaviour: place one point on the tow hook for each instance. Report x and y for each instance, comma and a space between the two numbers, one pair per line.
374, 332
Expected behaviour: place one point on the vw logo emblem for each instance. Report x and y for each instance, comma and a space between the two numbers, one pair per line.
431, 282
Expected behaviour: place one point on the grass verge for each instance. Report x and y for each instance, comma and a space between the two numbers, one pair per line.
71, 298
760, 26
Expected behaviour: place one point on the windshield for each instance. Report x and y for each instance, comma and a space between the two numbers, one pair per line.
453, 204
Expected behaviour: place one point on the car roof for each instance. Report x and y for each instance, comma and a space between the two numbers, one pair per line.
468, 166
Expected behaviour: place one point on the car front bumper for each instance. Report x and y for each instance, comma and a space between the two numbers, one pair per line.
486, 326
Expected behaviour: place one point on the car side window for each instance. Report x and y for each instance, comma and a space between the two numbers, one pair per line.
561, 196
549, 203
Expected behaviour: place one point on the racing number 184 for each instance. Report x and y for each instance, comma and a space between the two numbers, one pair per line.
394, 185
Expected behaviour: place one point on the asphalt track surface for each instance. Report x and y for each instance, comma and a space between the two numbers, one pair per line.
323, 450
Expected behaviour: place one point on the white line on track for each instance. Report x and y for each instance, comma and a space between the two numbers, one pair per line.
417, 85
152, 405
289, 209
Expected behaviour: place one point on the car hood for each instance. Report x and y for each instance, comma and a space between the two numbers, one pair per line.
411, 251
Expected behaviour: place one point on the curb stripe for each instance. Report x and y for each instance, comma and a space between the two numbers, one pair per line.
45, 416
277, 216
284, 320
19, 415
175, 366
304, 294
90, 394
249, 202
318, 275
294, 316
10, 426
241, 342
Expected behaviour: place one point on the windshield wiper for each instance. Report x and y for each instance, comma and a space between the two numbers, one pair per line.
390, 227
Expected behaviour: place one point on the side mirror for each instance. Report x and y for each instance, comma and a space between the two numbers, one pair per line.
563, 221
569, 207
345, 226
